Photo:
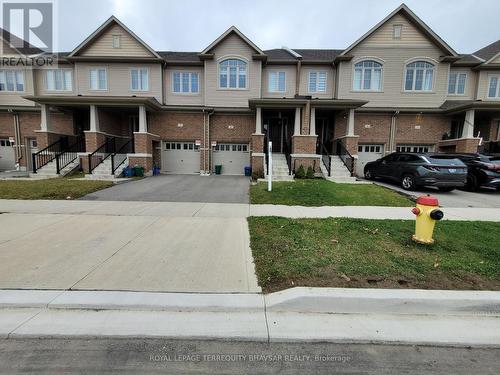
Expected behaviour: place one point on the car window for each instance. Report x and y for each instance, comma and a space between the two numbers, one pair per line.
438, 161
391, 157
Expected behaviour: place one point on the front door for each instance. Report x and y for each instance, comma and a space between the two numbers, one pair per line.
275, 134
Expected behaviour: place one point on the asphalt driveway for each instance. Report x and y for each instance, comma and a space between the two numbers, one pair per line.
179, 188
484, 198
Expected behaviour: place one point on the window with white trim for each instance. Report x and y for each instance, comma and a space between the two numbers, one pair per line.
396, 31
494, 87
456, 83
233, 147
419, 76
58, 80
367, 76
98, 79
233, 74
117, 41
317, 81
277, 82
11, 80
139, 79
419, 149
185, 82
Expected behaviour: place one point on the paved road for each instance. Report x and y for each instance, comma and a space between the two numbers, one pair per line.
457, 198
179, 188
110, 252
147, 356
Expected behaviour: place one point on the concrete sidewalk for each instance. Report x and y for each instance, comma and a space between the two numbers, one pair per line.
230, 210
451, 318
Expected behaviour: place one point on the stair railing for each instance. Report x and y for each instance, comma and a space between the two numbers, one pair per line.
70, 153
326, 159
120, 156
345, 156
288, 157
103, 152
46, 155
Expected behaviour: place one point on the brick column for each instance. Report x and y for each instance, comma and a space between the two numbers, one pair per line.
143, 156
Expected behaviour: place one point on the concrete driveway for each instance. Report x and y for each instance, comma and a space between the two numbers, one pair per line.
485, 198
139, 253
179, 188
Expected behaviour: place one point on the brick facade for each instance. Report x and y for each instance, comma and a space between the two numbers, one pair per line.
304, 144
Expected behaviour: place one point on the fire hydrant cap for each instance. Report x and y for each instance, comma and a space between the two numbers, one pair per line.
427, 200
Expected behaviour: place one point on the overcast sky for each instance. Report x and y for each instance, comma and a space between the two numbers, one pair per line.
191, 25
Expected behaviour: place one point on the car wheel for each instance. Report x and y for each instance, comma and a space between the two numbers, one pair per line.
472, 184
408, 182
446, 189
369, 174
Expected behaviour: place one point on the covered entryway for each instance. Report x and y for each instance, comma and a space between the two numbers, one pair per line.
180, 157
278, 128
367, 153
233, 158
7, 155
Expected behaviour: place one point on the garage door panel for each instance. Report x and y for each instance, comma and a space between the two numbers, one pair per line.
180, 158
233, 158
7, 155
367, 153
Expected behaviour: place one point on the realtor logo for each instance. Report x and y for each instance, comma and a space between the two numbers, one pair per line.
28, 27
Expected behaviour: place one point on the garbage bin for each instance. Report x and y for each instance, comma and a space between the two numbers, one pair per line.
128, 172
218, 169
138, 171
248, 171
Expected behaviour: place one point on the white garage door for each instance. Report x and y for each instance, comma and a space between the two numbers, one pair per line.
180, 158
233, 157
367, 153
7, 156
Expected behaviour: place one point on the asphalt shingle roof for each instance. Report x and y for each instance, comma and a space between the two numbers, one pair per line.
179, 56
489, 51
318, 54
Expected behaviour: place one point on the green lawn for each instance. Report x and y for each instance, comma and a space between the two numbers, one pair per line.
341, 252
319, 192
54, 188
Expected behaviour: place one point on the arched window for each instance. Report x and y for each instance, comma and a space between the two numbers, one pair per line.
368, 76
233, 74
419, 76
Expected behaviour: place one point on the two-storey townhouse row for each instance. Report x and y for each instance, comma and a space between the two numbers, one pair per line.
398, 87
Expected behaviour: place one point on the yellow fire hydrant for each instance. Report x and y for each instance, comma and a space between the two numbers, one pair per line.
427, 213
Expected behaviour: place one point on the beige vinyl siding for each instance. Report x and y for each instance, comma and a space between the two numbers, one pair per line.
41, 85
15, 98
392, 94
119, 82
470, 84
172, 98
410, 35
482, 87
232, 47
103, 45
304, 80
290, 75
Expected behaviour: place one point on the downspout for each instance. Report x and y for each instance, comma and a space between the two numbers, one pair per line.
392, 133
17, 138
209, 148
297, 77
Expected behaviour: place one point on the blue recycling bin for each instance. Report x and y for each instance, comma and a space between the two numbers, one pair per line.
248, 171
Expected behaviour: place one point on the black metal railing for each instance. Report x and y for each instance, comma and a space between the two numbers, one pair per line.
288, 157
103, 152
326, 159
63, 152
120, 156
345, 156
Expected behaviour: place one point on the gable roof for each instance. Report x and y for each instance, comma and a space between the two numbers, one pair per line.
232, 30
6, 36
412, 17
110, 21
489, 52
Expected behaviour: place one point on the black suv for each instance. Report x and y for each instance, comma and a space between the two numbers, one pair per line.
414, 170
483, 170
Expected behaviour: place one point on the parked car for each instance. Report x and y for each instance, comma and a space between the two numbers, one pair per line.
413, 170
483, 170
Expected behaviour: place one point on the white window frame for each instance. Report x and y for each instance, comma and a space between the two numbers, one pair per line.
490, 77
219, 71
190, 74
16, 73
395, 27
90, 78
360, 61
316, 89
141, 88
434, 73
54, 72
116, 37
417, 148
276, 89
458, 73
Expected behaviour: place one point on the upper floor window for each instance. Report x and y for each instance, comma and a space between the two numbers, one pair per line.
494, 87
233, 74
368, 76
317, 81
419, 76
11, 80
117, 41
98, 79
139, 80
58, 80
277, 82
185, 82
456, 83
